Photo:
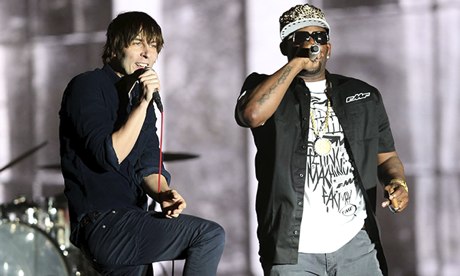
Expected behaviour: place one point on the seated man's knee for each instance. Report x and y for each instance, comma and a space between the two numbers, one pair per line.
218, 234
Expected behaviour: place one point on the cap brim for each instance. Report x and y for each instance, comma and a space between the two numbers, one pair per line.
294, 26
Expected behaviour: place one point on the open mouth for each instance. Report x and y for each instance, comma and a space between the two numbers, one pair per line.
142, 65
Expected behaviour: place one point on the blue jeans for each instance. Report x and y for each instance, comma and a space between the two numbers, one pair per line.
356, 258
122, 242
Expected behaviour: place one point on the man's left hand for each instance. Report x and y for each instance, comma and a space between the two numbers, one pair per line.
397, 196
172, 203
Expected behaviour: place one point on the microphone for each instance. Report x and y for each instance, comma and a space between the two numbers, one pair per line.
314, 52
157, 100
156, 94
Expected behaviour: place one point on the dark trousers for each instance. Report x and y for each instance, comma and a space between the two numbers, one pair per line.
122, 242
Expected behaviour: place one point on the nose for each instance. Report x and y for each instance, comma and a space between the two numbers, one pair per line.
308, 42
145, 50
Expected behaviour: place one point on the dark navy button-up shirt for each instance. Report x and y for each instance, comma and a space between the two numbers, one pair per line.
92, 109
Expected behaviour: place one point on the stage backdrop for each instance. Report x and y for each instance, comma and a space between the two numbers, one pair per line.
408, 49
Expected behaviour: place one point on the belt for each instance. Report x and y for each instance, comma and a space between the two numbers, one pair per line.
89, 218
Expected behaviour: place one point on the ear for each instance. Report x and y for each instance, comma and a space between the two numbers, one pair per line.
329, 50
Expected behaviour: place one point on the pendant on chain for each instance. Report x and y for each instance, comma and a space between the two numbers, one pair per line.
323, 146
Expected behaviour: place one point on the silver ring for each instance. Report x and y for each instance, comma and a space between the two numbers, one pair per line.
392, 209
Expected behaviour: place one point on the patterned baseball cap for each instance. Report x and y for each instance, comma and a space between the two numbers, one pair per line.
301, 16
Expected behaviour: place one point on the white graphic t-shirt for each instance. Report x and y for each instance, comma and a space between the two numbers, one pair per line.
334, 208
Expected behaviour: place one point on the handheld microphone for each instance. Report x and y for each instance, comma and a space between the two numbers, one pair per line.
314, 52
157, 100
156, 94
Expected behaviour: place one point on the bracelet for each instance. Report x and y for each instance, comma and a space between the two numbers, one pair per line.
401, 182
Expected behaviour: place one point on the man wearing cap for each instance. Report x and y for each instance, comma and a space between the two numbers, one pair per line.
323, 143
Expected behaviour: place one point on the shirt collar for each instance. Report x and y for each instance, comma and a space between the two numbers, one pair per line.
111, 73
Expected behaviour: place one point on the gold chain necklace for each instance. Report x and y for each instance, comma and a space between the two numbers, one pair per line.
322, 145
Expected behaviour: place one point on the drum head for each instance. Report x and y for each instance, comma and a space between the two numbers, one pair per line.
27, 250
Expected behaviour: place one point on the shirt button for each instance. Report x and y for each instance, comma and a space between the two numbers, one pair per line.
113, 211
103, 226
301, 175
305, 118
304, 147
299, 203
296, 232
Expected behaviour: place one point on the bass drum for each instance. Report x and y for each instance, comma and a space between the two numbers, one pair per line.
27, 250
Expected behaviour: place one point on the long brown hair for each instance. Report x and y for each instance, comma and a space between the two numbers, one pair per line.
125, 28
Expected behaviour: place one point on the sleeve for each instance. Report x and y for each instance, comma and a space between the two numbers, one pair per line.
386, 141
90, 110
249, 84
149, 161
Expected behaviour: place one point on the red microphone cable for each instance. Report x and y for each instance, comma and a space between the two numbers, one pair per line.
160, 163
157, 99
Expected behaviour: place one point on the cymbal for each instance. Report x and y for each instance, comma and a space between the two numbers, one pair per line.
23, 156
167, 157
177, 156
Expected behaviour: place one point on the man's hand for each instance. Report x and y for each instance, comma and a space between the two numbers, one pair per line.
397, 194
172, 203
150, 83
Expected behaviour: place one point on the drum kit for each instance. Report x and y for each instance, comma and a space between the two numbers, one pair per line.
34, 236
35, 240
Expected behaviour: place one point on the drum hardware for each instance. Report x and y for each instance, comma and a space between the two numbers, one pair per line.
58, 227
22, 210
